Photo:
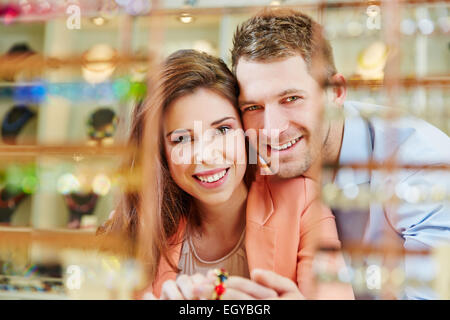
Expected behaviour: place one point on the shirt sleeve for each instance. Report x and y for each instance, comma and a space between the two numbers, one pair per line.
422, 219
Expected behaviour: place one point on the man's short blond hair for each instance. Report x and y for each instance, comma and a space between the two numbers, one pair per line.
279, 33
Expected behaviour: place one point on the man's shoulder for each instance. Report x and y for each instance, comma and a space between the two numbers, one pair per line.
413, 140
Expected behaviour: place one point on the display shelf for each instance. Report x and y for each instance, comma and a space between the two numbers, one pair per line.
11, 295
388, 166
61, 150
411, 82
61, 238
40, 62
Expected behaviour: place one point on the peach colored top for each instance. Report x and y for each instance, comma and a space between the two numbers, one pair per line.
285, 223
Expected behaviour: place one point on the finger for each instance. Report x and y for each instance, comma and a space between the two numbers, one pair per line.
211, 275
232, 294
148, 296
204, 291
185, 285
251, 288
170, 291
274, 281
198, 278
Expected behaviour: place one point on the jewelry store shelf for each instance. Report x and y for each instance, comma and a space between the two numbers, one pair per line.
31, 296
60, 238
52, 150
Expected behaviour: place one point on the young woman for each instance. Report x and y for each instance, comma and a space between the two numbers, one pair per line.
194, 212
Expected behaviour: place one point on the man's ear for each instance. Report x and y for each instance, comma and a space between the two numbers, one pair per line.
339, 89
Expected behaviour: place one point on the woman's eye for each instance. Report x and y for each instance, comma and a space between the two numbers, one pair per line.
181, 139
223, 129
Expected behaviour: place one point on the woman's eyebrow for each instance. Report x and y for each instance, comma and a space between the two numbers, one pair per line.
178, 131
221, 120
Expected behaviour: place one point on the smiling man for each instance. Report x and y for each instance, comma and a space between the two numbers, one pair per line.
287, 77
282, 97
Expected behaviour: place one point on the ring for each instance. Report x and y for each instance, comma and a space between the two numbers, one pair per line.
220, 288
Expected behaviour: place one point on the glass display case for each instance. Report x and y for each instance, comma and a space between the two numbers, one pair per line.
71, 73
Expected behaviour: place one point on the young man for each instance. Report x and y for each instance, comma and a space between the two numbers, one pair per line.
287, 79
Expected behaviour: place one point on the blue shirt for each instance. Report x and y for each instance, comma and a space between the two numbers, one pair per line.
420, 220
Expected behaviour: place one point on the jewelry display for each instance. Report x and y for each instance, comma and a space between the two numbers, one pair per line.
8, 204
80, 205
102, 125
14, 121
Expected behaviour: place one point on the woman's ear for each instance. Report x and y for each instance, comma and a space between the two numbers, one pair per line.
339, 88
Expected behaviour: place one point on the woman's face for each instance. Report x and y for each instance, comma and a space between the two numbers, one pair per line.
205, 145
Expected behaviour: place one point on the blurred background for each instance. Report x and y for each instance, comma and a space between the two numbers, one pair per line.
71, 72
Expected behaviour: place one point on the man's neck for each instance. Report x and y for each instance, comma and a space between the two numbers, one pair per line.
332, 148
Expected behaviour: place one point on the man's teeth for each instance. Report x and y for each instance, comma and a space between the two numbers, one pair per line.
286, 145
213, 177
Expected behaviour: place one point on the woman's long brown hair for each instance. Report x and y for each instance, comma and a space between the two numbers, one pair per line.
151, 216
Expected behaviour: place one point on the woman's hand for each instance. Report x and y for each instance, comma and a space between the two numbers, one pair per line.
238, 288
263, 285
182, 288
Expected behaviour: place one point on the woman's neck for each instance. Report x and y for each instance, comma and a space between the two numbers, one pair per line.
225, 220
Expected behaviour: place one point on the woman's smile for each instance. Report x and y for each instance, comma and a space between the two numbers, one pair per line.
212, 178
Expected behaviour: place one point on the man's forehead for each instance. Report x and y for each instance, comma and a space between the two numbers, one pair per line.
258, 78
246, 60
251, 70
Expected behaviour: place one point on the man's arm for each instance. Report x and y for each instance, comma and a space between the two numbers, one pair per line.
423, 224
318, 230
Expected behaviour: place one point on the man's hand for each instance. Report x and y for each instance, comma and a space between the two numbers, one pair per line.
285, 287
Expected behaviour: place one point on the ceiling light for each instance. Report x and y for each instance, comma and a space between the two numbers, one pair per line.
99, 21
185, 18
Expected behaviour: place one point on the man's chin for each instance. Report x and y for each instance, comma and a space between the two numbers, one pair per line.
287, 171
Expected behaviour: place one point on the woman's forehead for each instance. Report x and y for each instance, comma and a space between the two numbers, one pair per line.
203, 105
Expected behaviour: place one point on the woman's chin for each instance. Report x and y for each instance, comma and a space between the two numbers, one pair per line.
213, 199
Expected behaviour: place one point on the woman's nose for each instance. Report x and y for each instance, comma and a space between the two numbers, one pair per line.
208, 151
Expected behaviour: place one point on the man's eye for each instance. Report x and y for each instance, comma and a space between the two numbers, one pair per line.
293, 98
252, 108
181, 139
223, 129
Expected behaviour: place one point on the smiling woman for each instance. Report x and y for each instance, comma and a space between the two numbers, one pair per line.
199, 165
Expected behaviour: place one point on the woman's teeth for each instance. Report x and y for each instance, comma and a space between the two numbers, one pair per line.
286, 145
212, 178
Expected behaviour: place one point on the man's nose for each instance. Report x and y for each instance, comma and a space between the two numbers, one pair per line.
275, 121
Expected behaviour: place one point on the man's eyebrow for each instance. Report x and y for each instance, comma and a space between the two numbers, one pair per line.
178, 131
221, 120
290, 91
244, 103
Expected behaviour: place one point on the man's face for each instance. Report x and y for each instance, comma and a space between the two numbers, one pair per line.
281, 96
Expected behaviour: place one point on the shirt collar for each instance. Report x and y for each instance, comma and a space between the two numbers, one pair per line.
357, 146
